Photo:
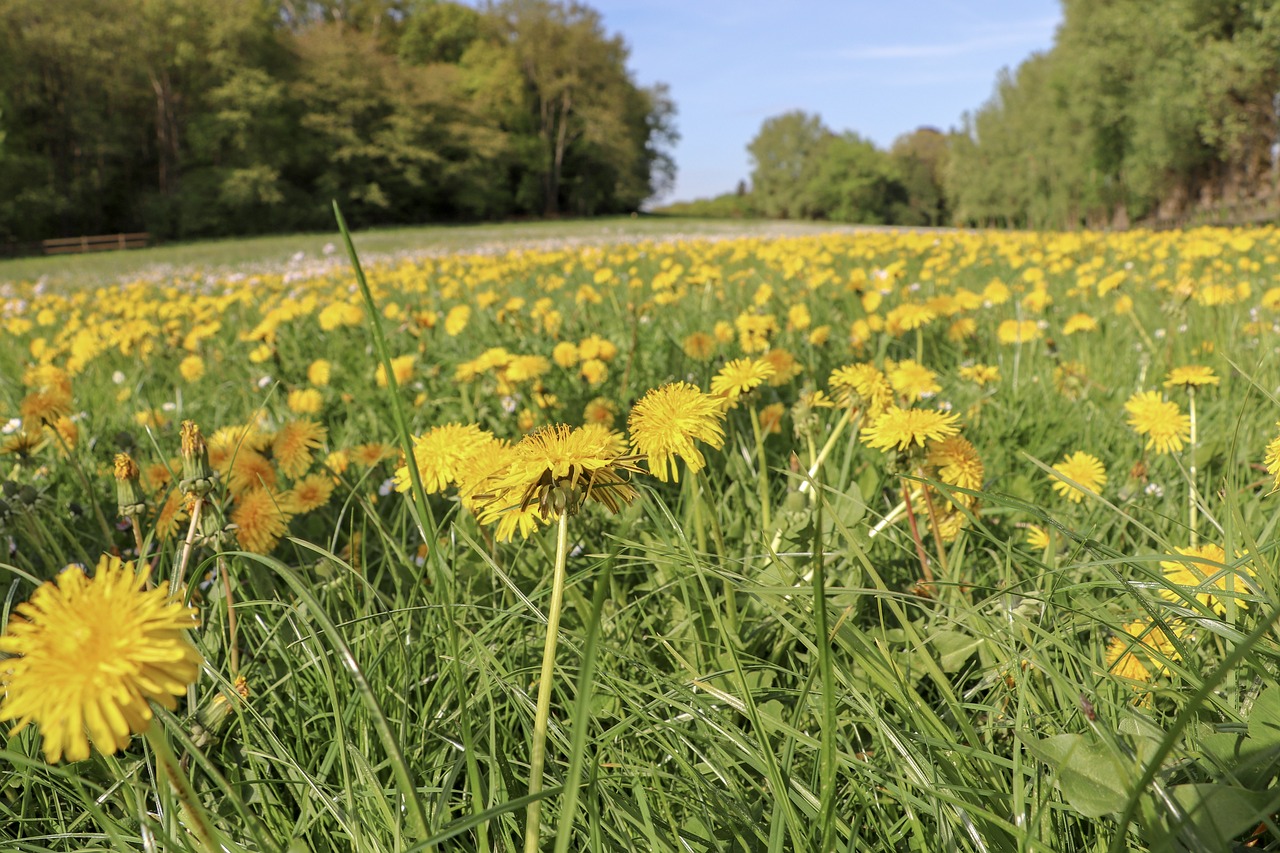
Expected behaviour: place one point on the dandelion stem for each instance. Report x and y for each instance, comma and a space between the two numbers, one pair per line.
762, 471
195, 817
915, 535
827, 447
538, 756
137, 541
1191, 468
187, 545
937, 534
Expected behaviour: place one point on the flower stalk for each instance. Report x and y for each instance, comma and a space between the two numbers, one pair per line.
538, 756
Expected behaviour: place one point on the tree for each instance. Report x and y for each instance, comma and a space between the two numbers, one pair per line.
780, 153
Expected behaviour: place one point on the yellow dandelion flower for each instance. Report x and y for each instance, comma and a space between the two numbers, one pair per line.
173, 512
401, 369
260, 519
1191, 376
438, 454
906, 429
319, 372
566, 355
739, 377
699, 346
980, 374
1018, 332
1143, 648
557, 469
1085, 470
601, 411
305, 401
1272, 460
456, 320
862, 386
785, 366
596, 347
1161, 421
913, 381
90, 654
667, 421
957, 463
1079, 323
293, 444
310, 493
365, 455
1204, 567
1037, 537
594, 371
191, 368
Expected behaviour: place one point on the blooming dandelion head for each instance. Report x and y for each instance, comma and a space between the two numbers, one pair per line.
91, 654
668, 421
1160, 421
905, 430
1083, 469
739, 377
1203, 571
1191, 376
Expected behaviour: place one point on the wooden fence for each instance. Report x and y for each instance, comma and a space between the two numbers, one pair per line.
100, 243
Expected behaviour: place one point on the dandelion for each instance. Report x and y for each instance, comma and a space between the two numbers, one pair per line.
980, 374
601, 411
319, 372
91, 654
1161, 421
740, 377
1205, 567
1018, 332
439, 453
1079, 323
1087, 472
1191, 376
862, 386
310, 493
667, 421
565, 354
557, 469
594, 371
1141, 637
401, 369
305, 401
260, 519
907, 429
957, 463
1037, 537
191, 368
293, 444
1272, 460
913, 381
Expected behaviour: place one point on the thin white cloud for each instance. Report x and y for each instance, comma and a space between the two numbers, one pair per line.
1016, 34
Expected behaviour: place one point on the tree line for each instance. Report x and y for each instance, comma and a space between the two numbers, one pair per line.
1140, 113
191, 118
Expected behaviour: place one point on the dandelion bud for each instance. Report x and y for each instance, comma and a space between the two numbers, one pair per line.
197, 477
129, 502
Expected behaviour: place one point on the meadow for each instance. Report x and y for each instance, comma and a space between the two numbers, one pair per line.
860, 541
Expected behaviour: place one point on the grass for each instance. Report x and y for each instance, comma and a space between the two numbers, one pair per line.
273, 252
720, 682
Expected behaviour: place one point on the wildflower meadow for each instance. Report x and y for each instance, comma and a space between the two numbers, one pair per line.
887, 540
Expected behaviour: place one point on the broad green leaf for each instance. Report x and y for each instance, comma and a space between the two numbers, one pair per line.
1091, 777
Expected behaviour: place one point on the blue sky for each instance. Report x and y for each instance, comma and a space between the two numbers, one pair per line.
878, 68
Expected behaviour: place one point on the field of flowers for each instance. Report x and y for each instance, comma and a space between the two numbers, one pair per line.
880, 541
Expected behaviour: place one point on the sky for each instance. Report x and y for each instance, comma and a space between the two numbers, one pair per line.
877, 67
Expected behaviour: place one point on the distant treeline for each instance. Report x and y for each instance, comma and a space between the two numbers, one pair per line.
194, 118
804, 170
1142, 112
